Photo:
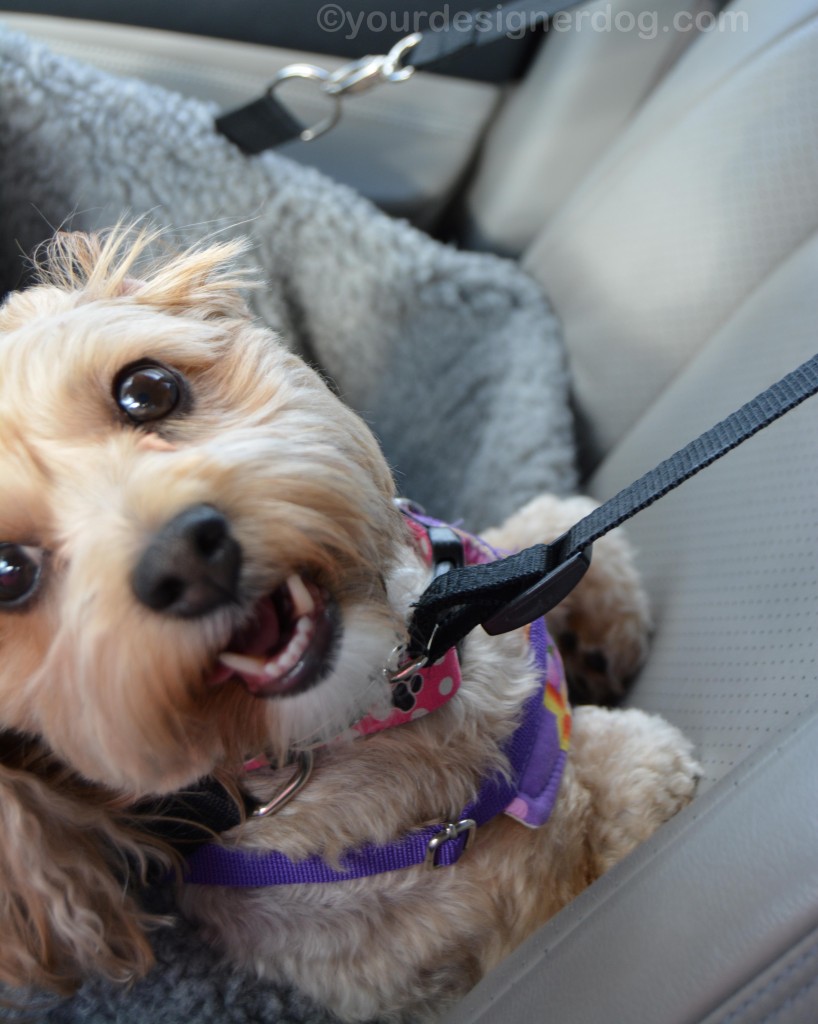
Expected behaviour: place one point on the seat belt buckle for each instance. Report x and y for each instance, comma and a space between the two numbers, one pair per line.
542, 596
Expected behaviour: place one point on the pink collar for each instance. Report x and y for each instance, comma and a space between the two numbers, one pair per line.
427, 689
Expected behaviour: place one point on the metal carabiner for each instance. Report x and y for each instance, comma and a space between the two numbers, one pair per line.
367, 72
394, 70
359, 76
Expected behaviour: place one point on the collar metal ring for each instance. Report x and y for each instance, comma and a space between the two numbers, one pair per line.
299, 779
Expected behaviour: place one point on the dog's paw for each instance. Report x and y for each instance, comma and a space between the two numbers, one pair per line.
665, 772
640, 771
602, 627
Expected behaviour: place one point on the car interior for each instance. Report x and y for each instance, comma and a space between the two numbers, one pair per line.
656, 171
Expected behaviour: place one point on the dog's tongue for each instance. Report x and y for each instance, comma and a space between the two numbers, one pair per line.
283, 650
262, 634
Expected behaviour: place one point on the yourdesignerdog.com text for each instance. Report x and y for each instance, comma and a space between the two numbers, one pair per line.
499, 21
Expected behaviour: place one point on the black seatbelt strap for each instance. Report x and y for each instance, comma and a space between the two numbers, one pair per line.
483, 26
265, 122
512, 592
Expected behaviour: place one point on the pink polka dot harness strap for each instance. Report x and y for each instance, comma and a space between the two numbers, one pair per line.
536, 753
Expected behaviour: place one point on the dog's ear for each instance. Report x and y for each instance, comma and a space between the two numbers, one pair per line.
204, 281
64, 912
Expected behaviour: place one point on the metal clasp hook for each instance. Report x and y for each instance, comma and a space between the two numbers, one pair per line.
357, 76
367, 72
451, 830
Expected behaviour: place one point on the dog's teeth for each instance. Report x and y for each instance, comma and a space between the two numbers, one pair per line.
301, 597
242, 663
285, 661
295, 650
280, 665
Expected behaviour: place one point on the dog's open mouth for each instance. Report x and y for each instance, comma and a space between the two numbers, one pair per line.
290, 643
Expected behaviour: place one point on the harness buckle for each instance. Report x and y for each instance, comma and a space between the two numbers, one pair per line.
451, 830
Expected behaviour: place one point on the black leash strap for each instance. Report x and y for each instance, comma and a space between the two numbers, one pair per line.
265, 122
512, 592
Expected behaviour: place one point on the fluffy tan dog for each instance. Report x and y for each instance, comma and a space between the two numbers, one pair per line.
201, 560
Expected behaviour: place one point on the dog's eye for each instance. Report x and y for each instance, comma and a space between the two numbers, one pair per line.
20, 570
147, 392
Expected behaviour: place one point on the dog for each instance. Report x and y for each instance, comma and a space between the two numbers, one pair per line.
202, 561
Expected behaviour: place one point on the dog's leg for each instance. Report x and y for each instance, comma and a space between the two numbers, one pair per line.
639, 771
602, 627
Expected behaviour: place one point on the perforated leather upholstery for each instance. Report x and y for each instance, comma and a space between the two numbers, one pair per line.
713, 186
731, 559
686, 276
587, 82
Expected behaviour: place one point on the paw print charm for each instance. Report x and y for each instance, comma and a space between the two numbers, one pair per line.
404, 693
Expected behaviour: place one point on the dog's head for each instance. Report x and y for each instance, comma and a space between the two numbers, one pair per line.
190, 521
186, 506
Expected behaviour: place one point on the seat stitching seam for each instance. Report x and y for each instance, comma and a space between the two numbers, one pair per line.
772, 983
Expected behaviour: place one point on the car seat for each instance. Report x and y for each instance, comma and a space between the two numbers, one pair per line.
684, 269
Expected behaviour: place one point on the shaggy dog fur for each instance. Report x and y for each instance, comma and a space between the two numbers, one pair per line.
104, 700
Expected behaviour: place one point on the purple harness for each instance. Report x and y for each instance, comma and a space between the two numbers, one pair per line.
536, 753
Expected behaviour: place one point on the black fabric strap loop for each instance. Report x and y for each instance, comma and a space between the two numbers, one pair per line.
259, 125
455, 604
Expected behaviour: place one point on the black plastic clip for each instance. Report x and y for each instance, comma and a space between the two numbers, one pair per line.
542, 596
447, 550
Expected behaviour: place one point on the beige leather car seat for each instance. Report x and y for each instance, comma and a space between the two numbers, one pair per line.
685, 270
600, 62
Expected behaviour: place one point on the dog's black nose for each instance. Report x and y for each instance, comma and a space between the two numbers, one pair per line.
191, 566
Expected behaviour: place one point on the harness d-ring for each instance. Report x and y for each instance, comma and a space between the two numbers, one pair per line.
299, 779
